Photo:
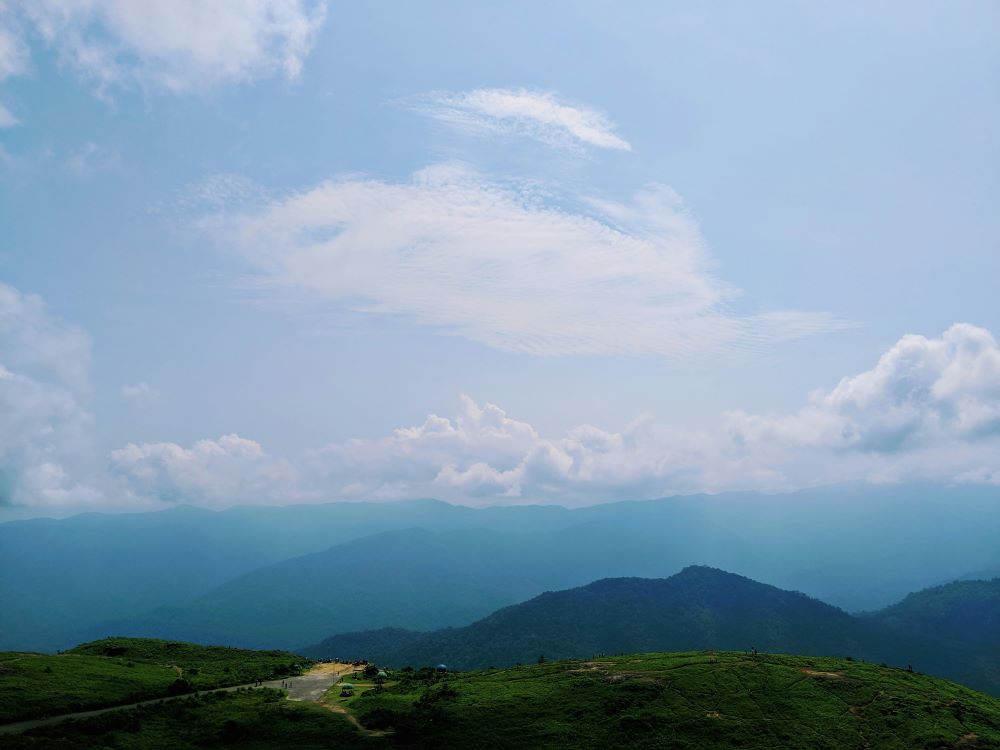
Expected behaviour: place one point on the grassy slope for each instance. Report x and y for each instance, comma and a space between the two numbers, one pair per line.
689, 700
250, 720
125, 670
683, 700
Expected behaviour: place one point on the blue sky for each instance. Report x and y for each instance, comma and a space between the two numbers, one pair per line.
645, 234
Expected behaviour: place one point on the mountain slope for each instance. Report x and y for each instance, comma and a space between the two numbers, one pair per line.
410, 578
963, 617
966, 612
699, 608
61, 578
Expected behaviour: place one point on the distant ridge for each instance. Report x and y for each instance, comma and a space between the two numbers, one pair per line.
194, 574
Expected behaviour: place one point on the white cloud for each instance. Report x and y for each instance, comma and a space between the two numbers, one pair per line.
534, 114
922, 392
412, 457
176, 45
44, 425
140, 394
497, 264
226, 471
14, 58
929, 409
943, 390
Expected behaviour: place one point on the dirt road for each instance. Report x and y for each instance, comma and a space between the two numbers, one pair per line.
307, 687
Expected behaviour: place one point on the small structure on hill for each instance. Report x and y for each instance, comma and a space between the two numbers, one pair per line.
346, 690
441, 668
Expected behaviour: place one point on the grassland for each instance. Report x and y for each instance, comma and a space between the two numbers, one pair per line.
252, 719
682, 701
686, 700
125, 670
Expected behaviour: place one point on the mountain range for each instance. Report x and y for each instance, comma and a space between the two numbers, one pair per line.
284, 576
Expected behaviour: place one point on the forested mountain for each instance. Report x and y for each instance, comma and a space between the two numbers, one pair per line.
700, 608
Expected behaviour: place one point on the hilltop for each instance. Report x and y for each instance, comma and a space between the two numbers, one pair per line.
698, 608
115, 671
688, 700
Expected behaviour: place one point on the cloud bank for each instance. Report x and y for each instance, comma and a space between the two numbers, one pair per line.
501, 264
211, 472
928, 410
521, 112
172, 45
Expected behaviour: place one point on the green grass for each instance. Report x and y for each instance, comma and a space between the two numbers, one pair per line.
681, 701
687, 700
125, 670
251, 720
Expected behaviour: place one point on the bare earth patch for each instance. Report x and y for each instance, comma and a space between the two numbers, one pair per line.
822, 675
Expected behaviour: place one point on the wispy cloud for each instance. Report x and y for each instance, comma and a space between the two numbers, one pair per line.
140, 394
14, 57
535, 114
495, 263
175, 45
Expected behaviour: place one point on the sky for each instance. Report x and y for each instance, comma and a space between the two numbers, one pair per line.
285, 251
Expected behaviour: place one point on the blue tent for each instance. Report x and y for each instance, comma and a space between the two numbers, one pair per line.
441, 668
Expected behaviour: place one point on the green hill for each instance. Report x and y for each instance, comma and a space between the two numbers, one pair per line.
124, 670
700, 608
687, 700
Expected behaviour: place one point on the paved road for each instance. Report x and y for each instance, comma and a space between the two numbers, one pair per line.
307, 687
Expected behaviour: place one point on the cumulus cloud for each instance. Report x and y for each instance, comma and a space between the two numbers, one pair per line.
44, 424
923, 391
928, 410
175, 45
226, 471
534, 114
498, 264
